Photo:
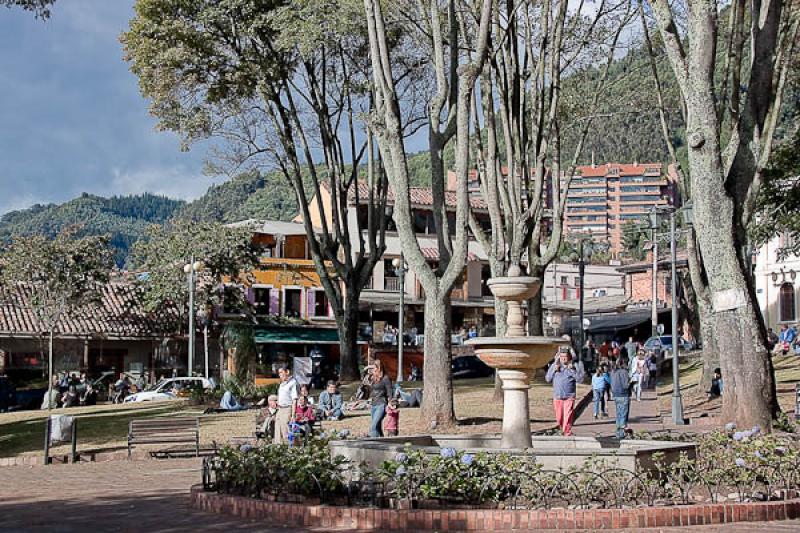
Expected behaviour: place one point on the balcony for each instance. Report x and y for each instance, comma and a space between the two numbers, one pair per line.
391, 284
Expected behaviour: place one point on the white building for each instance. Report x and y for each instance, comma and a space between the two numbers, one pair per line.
777, 283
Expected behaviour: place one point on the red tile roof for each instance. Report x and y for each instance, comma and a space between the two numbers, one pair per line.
432, 254
117, 315
423, 197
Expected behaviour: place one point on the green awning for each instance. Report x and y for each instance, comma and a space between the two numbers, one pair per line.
297, 335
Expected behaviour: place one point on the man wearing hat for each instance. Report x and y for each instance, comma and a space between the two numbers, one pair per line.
564, 376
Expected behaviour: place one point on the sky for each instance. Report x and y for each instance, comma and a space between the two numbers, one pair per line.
72, 119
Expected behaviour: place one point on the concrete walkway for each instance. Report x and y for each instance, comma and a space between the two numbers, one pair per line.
644, 416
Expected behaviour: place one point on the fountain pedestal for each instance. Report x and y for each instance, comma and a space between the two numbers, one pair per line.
516, 412
515, 357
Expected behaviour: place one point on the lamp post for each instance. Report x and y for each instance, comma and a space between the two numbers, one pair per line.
190, 269
677, 402
586, 248
400, 268
654, 295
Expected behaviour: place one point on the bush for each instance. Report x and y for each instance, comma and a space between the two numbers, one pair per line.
251, 471
246, 391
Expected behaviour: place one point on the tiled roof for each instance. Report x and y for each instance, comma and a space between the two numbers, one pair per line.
422, 196
618, 169
117, 315
432, 254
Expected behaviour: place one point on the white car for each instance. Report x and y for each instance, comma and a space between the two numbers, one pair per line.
166, 389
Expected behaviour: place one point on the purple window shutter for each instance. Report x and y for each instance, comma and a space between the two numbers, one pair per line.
250, 295
274, 302
311, 298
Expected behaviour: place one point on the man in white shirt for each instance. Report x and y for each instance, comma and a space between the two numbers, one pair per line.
287, 405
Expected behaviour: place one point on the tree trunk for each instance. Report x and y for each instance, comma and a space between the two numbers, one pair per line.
349, 353
744, 358
437, 402
535, 304
500, 327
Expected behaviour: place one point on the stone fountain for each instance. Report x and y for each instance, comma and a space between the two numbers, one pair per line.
515, 356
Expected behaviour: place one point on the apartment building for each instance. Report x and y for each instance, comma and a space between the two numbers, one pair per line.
602, 198
777, 283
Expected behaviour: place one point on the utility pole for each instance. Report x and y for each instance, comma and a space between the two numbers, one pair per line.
400, 268
581, 271
677, 402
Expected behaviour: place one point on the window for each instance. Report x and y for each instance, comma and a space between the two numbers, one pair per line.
563, 280
320, 304
577, 281
261, 299
786, 302
293, 303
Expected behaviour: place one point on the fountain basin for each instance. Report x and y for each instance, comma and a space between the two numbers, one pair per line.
553, 453
516, 353
514, 288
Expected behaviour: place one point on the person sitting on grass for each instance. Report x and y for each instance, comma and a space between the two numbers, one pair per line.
716, 385
304, 415
230, 403
330, 403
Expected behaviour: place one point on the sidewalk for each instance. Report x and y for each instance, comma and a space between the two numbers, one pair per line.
644, 416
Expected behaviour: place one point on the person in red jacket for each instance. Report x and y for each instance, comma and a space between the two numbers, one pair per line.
304, 415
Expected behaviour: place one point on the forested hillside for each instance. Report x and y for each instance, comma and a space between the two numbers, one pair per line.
124, 218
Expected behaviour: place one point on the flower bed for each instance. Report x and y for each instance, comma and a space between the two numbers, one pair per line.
730, 466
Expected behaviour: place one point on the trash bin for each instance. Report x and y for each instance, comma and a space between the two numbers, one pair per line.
61, 428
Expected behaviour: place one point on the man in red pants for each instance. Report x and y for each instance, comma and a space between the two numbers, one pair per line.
564, 376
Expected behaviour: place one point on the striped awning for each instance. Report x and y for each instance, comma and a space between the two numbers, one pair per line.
432, 254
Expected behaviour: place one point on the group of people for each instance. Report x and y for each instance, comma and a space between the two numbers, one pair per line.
70, 390
785, 342
619, 378
291, 413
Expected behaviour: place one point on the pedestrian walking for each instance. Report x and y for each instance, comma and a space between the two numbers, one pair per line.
600, 382
564, 376
380, 394
621, 390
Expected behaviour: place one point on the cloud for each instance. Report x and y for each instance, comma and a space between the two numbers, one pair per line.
176, 182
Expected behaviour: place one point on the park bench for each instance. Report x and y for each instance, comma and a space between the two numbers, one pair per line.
171, 431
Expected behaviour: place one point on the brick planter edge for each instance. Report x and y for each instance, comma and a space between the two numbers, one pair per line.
362, 518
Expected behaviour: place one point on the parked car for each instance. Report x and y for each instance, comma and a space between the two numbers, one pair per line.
170, 389
662, 345
469, 366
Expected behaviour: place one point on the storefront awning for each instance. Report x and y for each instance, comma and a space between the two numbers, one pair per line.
296, 335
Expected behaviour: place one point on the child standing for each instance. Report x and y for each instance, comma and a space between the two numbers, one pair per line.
600, 382
392, 422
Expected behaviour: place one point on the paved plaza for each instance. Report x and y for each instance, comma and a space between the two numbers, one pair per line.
145, 496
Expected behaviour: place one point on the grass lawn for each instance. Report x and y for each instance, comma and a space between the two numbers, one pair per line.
106, 426
695, 399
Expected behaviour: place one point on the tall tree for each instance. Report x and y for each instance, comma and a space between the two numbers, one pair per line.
227, 255
61, 276
453, 44
280, 84
524, 107
730, 131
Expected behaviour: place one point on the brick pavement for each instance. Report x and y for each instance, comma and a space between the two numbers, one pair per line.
150, 496
644, 416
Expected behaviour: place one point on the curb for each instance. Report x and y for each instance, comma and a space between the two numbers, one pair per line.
362, 518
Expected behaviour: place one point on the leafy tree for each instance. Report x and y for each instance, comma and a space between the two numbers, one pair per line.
40, 8
779, 200
60, 276
281, 84
634, 235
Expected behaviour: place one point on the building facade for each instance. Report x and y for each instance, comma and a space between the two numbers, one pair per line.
777, 281
602, 198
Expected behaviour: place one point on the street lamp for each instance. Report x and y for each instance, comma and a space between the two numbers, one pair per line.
677, 401
400, 269
586, 248
191, 269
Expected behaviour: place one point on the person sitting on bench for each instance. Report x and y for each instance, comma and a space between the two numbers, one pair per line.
304, 415
266, 427
330, 403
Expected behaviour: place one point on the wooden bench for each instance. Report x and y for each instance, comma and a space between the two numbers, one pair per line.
183, 430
